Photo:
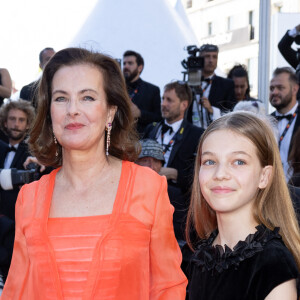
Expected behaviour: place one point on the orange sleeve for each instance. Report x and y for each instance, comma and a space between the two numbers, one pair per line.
18, 272
167, 280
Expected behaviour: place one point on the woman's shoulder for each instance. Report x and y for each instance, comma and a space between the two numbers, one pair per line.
44, 181
146, 174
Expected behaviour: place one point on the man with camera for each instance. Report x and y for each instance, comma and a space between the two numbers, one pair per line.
217, 92
15, 117
145, 96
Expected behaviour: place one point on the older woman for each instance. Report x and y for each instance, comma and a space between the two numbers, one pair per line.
99, 226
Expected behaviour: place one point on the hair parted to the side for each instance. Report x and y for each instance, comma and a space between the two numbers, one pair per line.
273, 206
123, 143
182, 90
22, 105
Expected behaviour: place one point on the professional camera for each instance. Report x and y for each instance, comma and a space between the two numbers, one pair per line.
12, 178
193, 64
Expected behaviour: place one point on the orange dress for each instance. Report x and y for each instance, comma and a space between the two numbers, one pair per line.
73, 241
135, 258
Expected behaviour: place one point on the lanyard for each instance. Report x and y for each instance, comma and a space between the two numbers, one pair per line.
287, 127
201, 114
133, 93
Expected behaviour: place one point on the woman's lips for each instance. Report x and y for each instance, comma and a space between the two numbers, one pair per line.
73, 126
222, 190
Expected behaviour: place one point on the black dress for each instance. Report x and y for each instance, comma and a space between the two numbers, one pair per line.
250, 271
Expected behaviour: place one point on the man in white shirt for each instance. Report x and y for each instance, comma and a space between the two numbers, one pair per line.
283, 96
179, 140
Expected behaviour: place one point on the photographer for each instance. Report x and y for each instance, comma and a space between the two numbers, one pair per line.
217, 92
15, 117
289, 54
284, 46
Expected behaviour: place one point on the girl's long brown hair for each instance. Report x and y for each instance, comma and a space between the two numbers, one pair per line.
273, 206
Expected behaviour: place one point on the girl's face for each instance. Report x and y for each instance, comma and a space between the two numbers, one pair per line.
230, 172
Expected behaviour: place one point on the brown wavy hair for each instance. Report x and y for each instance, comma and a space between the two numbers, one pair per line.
123, 143
23, 105
272, 207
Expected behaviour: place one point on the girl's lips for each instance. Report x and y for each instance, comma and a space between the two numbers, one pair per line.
73, 126
221, 190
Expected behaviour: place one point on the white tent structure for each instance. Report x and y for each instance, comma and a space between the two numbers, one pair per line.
153, 28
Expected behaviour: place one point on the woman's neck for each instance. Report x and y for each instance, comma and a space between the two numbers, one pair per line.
234, 228
80, 169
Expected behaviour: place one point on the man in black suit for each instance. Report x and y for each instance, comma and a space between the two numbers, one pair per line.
144, 95
218, 92
180, 140
15, 118
28, 92
285, 46
283, 96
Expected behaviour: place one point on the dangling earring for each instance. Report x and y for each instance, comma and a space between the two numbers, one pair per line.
55, 142
108, 129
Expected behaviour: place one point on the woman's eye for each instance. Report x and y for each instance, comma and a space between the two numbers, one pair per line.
239, 162
88, 98
208, 162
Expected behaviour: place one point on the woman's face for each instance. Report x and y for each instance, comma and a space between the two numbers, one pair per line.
230, 172
79, 108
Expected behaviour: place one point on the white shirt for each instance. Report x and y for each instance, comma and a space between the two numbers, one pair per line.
10, 157
196, 118
285, 143
167, 138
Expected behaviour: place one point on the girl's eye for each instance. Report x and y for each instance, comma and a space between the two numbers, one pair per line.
208, 162
59, 99
239, 162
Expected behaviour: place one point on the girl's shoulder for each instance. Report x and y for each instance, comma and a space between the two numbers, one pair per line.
265, 243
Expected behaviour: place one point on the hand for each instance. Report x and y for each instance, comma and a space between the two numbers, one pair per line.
135, 111
206, 104
170, 173
32, 159
298, 28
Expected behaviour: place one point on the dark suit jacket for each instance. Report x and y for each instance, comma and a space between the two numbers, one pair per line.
147, 99
295, 195
8, 198
29, 92
221, 95
7, 234
182, 158
289, 54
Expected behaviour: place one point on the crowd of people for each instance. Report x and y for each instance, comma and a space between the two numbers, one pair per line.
217, 217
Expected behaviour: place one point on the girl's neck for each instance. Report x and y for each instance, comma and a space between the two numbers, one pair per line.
234, 228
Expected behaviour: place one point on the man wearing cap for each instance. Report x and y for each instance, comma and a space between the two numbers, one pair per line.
179, 140
152, 155
218, 92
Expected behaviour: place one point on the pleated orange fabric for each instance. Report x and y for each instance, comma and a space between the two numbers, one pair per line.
136, 258
74, 241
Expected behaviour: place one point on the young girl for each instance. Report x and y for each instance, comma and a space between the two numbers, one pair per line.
249, 241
